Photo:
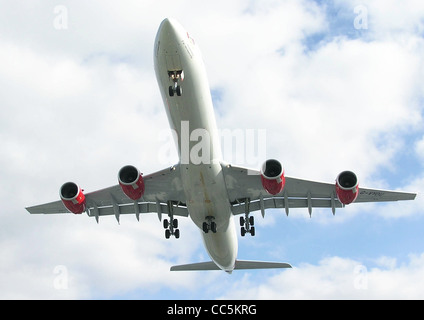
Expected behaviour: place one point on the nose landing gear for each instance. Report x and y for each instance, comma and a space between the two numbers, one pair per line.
176, 76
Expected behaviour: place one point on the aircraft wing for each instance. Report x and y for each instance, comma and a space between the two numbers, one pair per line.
162, 190
243, 183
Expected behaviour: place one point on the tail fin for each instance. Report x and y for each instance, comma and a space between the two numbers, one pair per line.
240, 265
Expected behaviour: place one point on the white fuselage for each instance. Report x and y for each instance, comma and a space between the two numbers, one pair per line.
191, 117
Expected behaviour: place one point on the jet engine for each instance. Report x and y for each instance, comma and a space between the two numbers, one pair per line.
272, 176
347, 187
131, 182
73, 197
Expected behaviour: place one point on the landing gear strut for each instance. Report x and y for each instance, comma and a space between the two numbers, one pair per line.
247, 222
209, 224
171, 225
176, 76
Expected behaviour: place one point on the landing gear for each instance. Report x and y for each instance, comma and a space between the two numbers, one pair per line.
209, 225
247, 226
175, 89
176, 76
171, 228
171, 225
247, 222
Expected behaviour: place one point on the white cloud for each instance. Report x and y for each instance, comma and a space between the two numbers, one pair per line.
393, 18
336, 278
419, 148
344, 105
405, 209
101, 260
389, 19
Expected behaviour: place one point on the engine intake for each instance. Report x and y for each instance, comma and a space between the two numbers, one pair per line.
272, 176
347, 187
73, 197
131, 182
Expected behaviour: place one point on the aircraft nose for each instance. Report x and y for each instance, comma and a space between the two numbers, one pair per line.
167, 23
169, 44
168, 28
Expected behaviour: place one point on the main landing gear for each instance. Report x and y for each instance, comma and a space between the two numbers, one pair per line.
171, 228
209, 224
247, 222
171, 225
176, 76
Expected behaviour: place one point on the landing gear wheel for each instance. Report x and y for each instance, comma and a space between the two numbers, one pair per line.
251, 221
213, 226
177, 233
176, 76
205, 227
209, 224
243, 231
165, 224
252, 231
167, 233
242, 221
175, 223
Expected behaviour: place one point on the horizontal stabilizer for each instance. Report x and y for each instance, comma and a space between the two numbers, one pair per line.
240, 265
201, 266
244, 264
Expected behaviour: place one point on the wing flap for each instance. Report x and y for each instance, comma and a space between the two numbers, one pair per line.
279, 203
142, 207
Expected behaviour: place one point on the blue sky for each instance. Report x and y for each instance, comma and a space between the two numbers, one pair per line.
80, 100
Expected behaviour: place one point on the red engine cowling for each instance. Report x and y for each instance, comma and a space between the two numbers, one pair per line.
272, 176
73, 197
347, 187
131, 182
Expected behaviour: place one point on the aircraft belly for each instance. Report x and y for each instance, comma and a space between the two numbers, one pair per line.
222, 246
206, 197
205, 193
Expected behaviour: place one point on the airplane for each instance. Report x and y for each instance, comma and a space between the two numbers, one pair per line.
202, 186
